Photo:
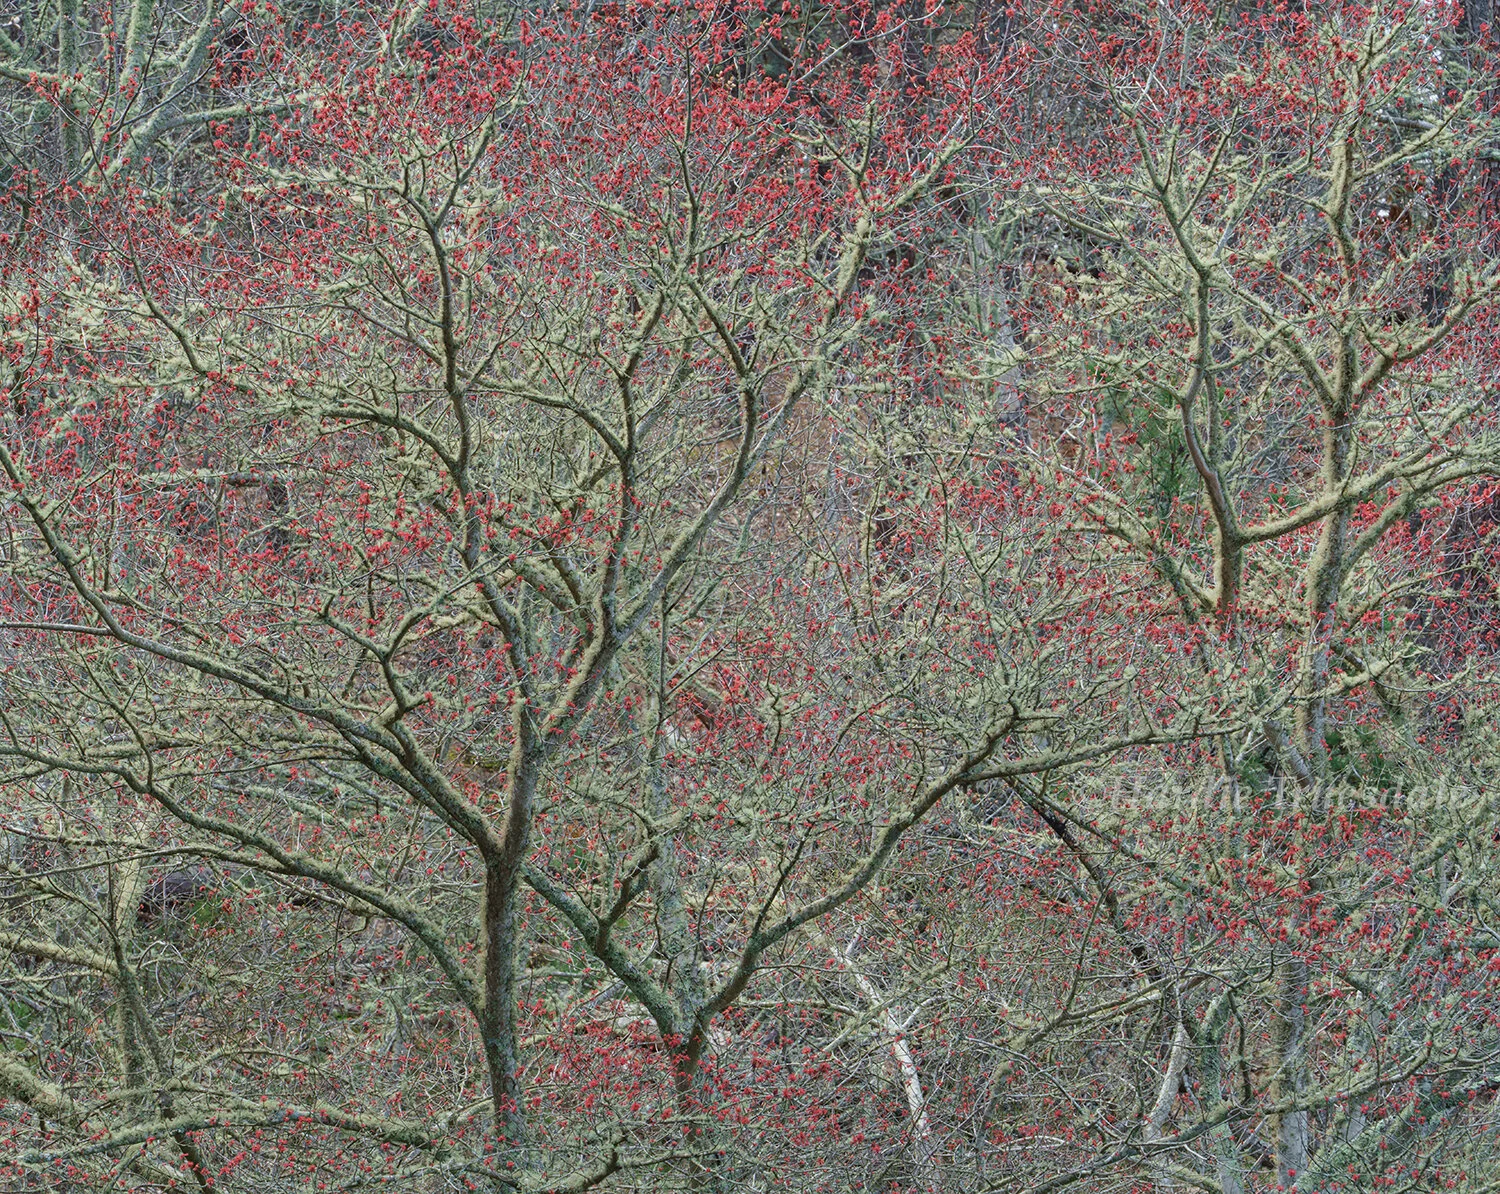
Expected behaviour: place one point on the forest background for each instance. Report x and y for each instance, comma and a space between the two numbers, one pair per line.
850, 596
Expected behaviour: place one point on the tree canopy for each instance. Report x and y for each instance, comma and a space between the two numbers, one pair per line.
744, 596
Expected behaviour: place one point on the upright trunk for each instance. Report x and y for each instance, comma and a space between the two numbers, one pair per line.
706, 1171
1289, 1047
1221, 1142
503, 861
923, 1144
499, 1026
684, 980
127, 884
1323, 580
69, 21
